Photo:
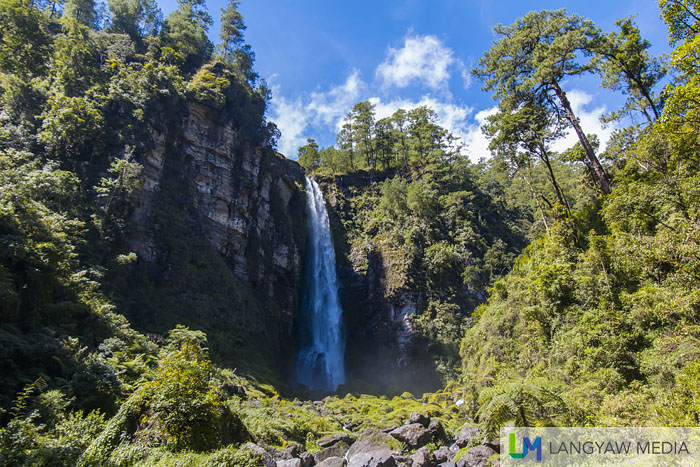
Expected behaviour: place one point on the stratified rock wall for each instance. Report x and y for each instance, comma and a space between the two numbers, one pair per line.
247, 201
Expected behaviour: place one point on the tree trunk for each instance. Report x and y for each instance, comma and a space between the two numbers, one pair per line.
536, 198
557, 189
590, 155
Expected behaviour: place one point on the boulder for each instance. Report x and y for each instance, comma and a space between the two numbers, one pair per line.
278, 455
415, 435
465, 435
337, 450
476, 457
437, 432
266, 459
443, 454
379, 458
330, 440
289, 463
403, 461
417, 417
294, 449
424, 457
447, 464
332, 462
307, 459
373, 440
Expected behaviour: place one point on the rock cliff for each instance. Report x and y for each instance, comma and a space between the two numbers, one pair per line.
383, 353
221, 213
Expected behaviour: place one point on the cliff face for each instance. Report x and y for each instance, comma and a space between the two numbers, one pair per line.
383, 352
221, 229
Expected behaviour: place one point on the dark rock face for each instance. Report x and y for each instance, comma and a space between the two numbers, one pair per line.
236, 210
415, 435
307, 459
330, 440
381, 344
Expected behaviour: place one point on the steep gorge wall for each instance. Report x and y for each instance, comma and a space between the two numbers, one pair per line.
383, 354
220, 228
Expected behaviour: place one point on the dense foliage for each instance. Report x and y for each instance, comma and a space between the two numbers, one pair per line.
599, 315
594, 323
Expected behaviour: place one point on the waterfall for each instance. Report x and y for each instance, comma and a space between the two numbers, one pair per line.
320, 360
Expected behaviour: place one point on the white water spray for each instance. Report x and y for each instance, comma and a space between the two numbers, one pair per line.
320, 360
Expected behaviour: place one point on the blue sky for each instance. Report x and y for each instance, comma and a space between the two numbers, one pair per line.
321, 57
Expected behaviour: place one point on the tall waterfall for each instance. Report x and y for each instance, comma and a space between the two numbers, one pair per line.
320, 360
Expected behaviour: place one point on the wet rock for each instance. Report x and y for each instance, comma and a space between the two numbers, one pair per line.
373, 440
330, 440
379, 458
417, 417
424, 457
333, 462
337, 450
465, 435
415, 435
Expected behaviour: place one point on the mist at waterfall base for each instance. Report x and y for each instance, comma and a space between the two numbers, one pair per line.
320, 363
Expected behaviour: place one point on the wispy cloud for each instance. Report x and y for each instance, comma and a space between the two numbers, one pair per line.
422, 59
330, 107
297, 118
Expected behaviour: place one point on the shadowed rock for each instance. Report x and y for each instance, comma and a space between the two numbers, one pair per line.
373, 440
417, 417
415, 435
330, 440
381, 458
332, 462
423, 457
337, 450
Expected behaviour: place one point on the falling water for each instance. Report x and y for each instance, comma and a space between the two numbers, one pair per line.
320, 360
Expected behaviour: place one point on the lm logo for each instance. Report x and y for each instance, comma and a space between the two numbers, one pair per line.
527, 447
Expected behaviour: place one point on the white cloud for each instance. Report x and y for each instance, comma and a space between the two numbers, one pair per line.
422, 59
291, 118
465, 74
296, 118
476, 143
329, 108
